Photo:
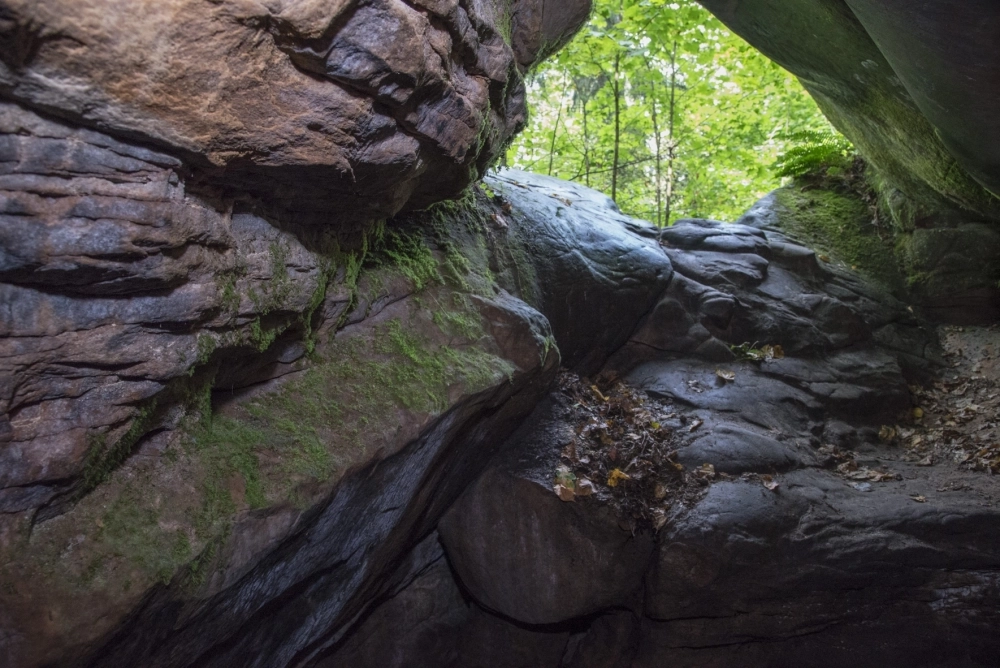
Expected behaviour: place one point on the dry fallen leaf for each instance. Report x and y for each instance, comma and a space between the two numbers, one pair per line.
564, 493
886, 433
697, 422
659, 518
926, 461
706, 470
616, 476
726, 374
919, 498
660, 492
769, 482
584, 487
848, 466
569, 452
598, 393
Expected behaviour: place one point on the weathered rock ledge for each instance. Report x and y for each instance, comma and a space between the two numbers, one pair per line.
233, 440
359, 108
813, 539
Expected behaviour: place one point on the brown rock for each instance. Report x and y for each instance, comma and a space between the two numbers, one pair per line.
367, 104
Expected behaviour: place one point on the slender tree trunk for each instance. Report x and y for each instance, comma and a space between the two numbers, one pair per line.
555, 131
671, 145
616, 88
586, 147
659, 161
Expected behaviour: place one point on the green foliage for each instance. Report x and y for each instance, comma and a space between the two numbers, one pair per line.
816, 154
698, 116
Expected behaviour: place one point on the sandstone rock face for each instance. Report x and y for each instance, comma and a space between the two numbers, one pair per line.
893, 78
948, 63
776, 556
359, 106
134, 310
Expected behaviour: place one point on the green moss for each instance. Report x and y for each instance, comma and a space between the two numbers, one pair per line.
459, 318
842, 226
406, 251
227, 448
262, 336
103, 459
505, 20
320, 422
145, 520
206, 346
199, 567
129, 529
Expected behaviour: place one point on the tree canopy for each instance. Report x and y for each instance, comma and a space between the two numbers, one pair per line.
656, 103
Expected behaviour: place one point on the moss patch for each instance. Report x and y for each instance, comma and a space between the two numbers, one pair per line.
841, 226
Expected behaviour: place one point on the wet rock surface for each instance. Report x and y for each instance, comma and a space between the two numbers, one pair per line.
809, 535
318, 439
242, 423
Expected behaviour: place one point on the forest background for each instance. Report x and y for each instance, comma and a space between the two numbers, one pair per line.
658, 105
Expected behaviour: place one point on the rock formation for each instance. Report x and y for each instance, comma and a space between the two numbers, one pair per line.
914, 88
801, 533
371, 104
261, 406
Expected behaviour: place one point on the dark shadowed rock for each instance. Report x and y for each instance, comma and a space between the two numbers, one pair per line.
822, 573
523, 553
431, 624
738, 450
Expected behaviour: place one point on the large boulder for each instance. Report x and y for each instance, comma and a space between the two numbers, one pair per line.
359, 106
224, 431
193, 397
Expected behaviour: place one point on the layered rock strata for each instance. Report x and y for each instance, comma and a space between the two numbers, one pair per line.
364, 105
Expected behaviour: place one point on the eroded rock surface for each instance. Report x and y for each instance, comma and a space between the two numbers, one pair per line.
354, 107
806, 534
231, 438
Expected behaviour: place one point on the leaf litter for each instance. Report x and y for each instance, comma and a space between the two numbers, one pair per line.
956, 418
953, 428
624, 453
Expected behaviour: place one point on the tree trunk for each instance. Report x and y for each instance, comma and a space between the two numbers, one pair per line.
555, 131
671, 146
659, 161
616, 87
586, 147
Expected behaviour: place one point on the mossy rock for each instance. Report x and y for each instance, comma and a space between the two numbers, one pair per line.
954, 272
842, 227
